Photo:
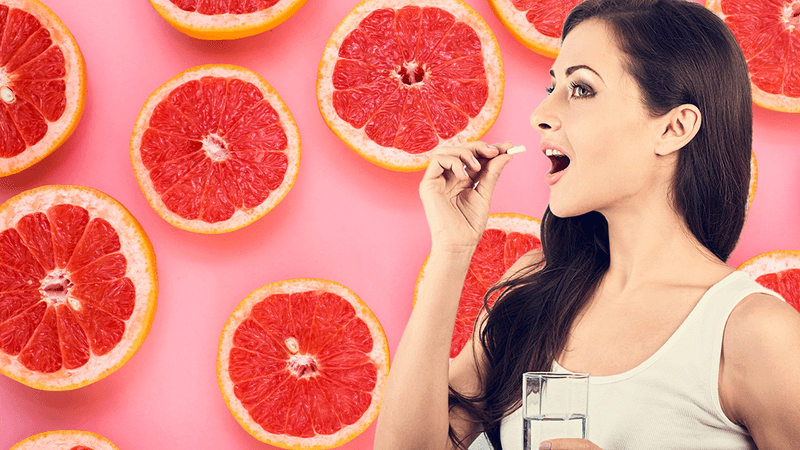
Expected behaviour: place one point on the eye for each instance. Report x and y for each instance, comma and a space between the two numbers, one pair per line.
580, 90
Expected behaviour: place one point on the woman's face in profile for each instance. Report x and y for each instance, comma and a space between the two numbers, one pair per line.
595, 117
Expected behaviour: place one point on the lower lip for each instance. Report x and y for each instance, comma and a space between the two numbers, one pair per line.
552, 178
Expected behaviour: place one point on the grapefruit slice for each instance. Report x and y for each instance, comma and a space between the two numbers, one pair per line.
778, 270
65, 440
227, 19
399, 78
769, 33
215, 148
507, 237
78, 287
534, 23
751, 193
302, 364
42, 84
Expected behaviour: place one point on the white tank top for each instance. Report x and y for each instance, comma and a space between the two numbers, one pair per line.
671, 400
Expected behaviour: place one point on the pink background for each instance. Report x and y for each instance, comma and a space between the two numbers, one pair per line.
345, 219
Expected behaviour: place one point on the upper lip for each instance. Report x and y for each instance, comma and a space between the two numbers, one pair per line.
545, 145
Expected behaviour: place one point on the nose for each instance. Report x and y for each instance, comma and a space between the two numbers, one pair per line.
543, 118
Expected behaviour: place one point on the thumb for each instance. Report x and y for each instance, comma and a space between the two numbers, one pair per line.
491, 174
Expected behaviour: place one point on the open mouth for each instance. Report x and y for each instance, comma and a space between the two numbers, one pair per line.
558, 160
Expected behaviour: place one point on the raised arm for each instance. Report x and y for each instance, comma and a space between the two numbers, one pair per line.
414, 413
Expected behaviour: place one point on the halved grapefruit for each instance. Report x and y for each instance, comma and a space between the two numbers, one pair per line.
225, 19
302, 364
215, 148
778, 270
507, 237
78, 287
42, 84
751, 193
65, 440
535, 23
399, 78
769, 33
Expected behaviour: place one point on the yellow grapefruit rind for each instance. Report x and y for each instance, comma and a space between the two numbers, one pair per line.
141, 269
515, 22
379, 355
771, 262
226, 26
389, 157
242, 217
775, 102
64, 440
75, 79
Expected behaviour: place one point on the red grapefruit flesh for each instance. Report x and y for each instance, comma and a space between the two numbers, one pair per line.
42, 84
534, 23
778, 270
400, 78
77, 287
302, 364
215, 148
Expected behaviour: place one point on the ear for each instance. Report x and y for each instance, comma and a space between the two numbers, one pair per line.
679, 127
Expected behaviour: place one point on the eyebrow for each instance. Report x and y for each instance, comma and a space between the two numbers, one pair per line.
572, 69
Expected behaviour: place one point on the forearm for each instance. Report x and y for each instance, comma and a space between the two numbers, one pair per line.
414, 412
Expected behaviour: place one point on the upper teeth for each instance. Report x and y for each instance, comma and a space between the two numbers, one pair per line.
552, 152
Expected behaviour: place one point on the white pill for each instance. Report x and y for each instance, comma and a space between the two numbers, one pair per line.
515, 150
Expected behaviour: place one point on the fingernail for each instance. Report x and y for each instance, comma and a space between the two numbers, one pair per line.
475, 161
545, 445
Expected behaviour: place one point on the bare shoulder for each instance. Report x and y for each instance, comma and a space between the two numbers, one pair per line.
760, 360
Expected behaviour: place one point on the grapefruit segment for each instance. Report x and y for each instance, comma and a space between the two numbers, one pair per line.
769, 33
214, 149
505, 240
42, 84
229, 19
77, 287
302, 364
778, 270
536, 24
398, 79
65, 440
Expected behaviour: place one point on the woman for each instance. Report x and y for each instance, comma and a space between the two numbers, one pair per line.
648, 123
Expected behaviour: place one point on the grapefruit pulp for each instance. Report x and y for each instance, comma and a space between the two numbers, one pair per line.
302, 364
77, 287
506, 239
534, 23
42, 84
769, 34
778, 270
399, 78
225, 19
214, 149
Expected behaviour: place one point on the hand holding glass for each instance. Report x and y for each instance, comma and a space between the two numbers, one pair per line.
554, 405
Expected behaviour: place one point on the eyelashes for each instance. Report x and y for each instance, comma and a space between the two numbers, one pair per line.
577, 89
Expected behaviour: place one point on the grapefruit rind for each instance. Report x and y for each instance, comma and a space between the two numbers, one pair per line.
751, 193
379, 355
75, 79
242, 217
775, 102
389, 157
515, 22
499, 221
771, 262
226, 26
141, 269
64, 440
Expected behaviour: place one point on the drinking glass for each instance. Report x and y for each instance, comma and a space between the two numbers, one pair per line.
554, 405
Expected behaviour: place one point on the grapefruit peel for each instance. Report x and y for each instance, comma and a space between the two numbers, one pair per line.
65, 439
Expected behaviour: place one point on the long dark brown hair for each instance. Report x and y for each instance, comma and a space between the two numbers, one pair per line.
679, 53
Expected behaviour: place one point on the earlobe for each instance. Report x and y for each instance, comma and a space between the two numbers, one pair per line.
680, 126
